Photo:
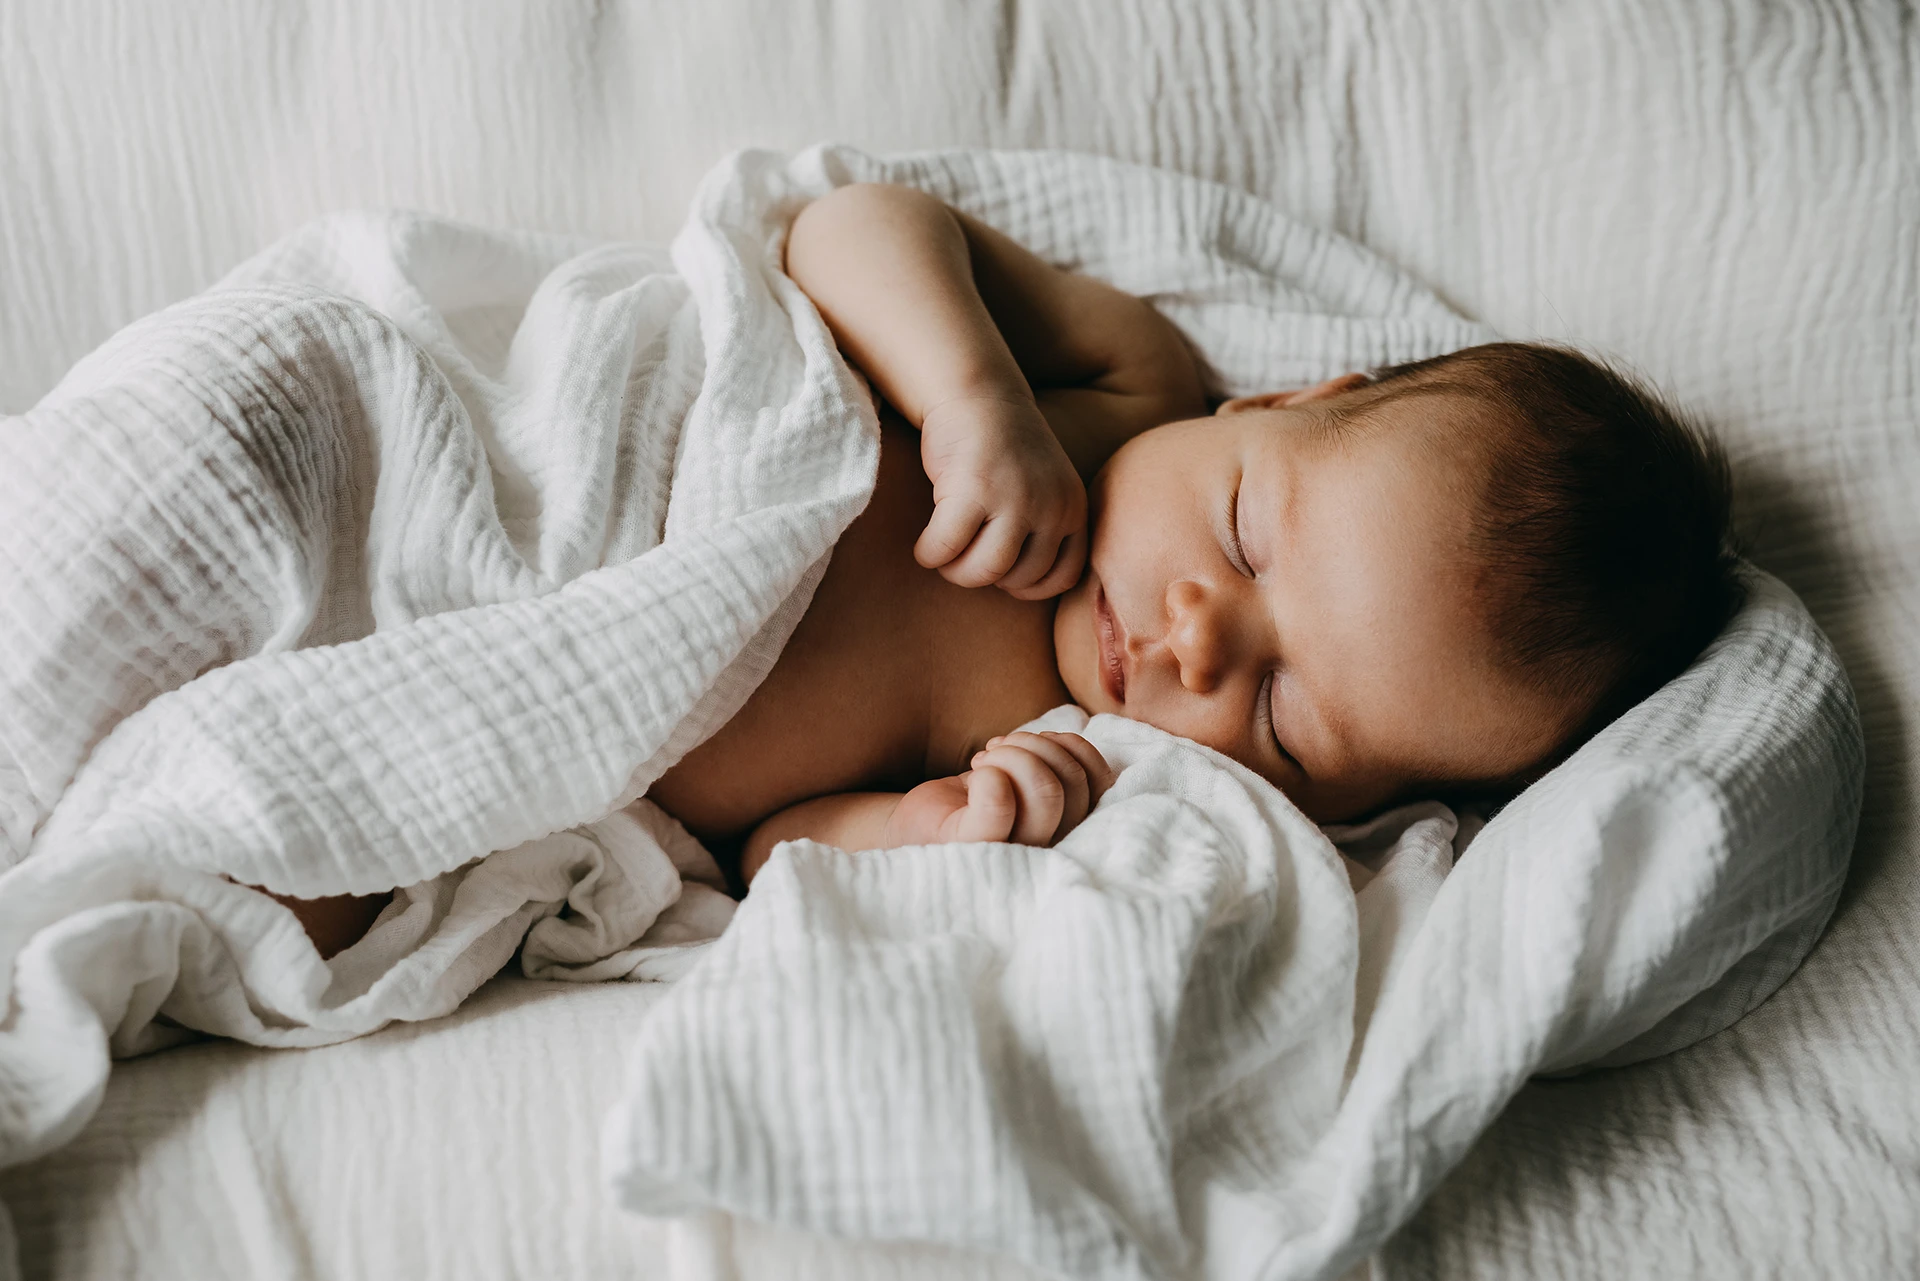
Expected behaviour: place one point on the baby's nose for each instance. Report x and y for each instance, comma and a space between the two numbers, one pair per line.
1196, 635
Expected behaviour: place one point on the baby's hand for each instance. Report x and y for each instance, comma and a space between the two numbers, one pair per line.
1028, 788
1008, 507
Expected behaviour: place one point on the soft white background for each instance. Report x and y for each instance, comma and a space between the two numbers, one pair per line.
1724, 194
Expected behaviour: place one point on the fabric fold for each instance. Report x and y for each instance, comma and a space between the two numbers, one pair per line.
412, 555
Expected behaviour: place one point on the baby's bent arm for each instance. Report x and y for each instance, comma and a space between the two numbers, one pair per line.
889, 270
1031, 788
936, 306
848, 820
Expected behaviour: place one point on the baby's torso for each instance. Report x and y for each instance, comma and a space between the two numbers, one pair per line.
894, 676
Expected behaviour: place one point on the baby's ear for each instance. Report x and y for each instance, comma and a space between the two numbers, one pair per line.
1284, 399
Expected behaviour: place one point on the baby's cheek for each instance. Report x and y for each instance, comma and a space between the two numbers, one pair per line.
1344, 801
1073, 643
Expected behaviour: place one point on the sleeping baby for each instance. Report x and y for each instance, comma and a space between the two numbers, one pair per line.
1434, 580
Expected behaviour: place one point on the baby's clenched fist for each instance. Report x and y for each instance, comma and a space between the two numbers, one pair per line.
1008, 508
1031, 789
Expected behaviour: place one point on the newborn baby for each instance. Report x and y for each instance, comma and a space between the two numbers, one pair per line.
1434, 580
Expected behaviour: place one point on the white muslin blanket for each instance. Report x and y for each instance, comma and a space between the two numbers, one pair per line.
413, 553
1100, 1058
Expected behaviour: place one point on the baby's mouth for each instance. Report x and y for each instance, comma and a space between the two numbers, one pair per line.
1113, 671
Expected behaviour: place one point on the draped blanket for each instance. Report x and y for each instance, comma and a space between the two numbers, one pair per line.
413, 553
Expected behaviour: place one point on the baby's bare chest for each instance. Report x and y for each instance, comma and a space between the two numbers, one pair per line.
893, 676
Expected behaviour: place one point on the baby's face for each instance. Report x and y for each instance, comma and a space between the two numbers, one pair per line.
1301, 600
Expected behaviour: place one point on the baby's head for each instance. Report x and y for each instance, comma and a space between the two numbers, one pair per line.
1440, 579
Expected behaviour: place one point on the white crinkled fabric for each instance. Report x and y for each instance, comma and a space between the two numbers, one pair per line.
410, 543
451, 541
1647, 893
981, 1047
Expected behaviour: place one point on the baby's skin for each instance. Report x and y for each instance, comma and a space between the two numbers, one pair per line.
1058, 518
1270, 580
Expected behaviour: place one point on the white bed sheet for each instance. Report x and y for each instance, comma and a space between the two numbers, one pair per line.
467, 1148
1726, 195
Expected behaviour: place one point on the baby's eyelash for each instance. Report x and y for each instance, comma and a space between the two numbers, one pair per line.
1288, 757
1235, 552
1264, 714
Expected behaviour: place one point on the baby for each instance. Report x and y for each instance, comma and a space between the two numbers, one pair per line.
1435, 580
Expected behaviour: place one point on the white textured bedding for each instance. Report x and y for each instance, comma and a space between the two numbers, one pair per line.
468, 1147
370, 1158
224, 1160
452, 540
1725, 196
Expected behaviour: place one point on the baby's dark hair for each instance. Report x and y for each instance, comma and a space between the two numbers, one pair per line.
1603, 538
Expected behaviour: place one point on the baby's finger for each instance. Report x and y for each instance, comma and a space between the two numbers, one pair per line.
1036, 562
1100, 775
1067, 768
991, 806
1040, 794
1067, 565
993, 551
953, 526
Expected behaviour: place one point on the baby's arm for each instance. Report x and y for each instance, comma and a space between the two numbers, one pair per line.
1018, 374
934, 305
1030, 788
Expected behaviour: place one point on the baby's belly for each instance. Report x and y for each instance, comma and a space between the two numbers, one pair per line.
845, 706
